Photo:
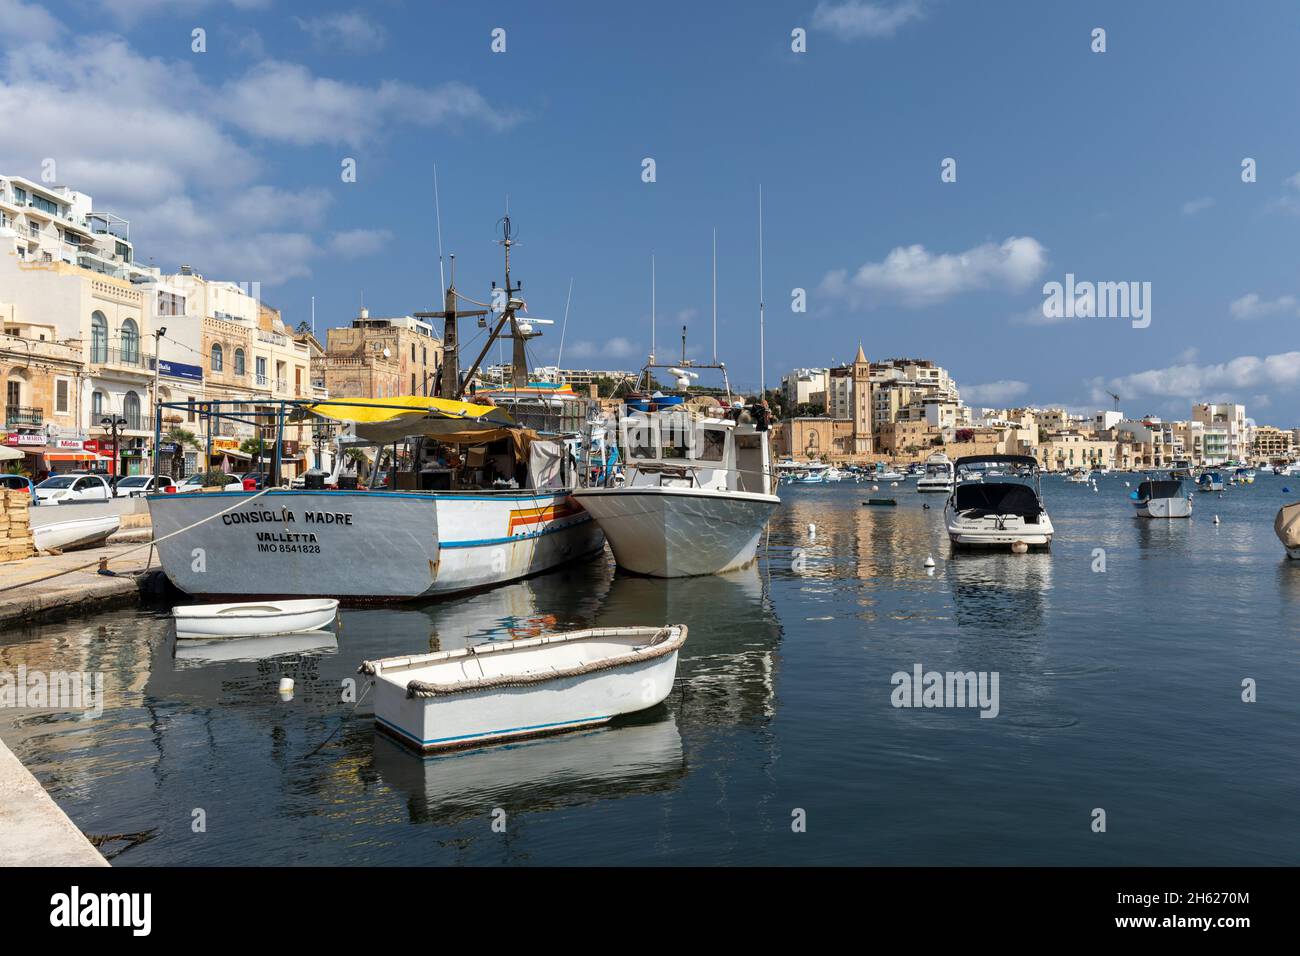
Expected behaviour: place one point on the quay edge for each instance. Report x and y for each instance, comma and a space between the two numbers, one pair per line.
34, 831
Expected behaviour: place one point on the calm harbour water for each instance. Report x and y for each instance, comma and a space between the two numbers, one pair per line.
1119, 690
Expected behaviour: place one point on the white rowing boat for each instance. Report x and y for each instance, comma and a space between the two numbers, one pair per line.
254, 617
75, 533
506, 690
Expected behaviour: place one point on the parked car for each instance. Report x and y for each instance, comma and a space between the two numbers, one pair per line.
260, 478
63, 489
195, 483
137, 486
18, 483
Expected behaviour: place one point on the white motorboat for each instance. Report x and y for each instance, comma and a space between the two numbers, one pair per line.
1079, 476
1210, 481
812, 473
697, 495
74, 533
254, 617
506, 690
886, 472
937, 476
1287, 528
1162, 499
998, 513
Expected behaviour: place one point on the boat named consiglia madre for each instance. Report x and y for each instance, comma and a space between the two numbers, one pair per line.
998, 513
459, 495
1162, 499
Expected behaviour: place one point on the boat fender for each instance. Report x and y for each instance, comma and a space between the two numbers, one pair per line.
929, 560
1019, 547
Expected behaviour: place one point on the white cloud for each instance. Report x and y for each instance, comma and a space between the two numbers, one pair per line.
999, 393
855, 19
153, 141
26, 21
285, 102
1251, 306
355, 243
345, 32
615, 348
916, 277
1191, 381
1193, 206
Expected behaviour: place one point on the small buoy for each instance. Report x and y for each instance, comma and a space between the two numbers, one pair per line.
1019, 547
925, 506
812, 531
929, 560
1127, 485
893, 484
1286, 490
875, 487
1216, 519
286, 688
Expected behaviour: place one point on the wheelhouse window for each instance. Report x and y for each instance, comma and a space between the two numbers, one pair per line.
640, 441
675, 436
711, 444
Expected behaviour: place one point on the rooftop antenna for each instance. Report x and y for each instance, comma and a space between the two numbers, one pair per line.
762, 379
565, 326
715, 294
437, 207
652, 308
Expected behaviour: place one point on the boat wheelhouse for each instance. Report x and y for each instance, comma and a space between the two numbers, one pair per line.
697, 489
937, 477
1003, 513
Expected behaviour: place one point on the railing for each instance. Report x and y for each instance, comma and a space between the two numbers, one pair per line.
23, 415
262, 380
133, 358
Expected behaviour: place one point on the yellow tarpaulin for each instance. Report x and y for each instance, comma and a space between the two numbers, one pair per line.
384, 420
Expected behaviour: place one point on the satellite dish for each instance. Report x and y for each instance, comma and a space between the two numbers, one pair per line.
387, 354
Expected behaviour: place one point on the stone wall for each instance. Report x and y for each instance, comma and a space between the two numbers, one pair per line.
15, 529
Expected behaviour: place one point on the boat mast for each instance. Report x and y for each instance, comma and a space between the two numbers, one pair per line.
507, 315
762, 379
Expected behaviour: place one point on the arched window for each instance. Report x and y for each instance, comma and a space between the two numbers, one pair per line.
131, 409
130, 342
96, 407
217, 357
239, 362
98, 338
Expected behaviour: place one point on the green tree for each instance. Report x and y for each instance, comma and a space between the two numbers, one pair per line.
180, 439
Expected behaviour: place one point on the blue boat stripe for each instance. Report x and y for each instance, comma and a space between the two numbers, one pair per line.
489, 733
482, 542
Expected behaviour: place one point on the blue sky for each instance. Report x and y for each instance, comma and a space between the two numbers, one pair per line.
1115, 166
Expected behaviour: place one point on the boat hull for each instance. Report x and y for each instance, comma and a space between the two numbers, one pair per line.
534, 706
365, 546
986, 533
679, 532
77, 533
247, 620
1164, 508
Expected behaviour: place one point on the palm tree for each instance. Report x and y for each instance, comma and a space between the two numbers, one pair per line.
179, 438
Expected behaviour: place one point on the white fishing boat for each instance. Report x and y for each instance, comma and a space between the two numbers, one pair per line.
247, 618
1162, 499
74, 533
697, 494
1287, 528
998, 513
938, 475
506, 690
459, 495
886, 472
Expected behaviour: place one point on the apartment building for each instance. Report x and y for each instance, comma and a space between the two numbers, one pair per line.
381, 357
806, 386
1273, 443
1229, 419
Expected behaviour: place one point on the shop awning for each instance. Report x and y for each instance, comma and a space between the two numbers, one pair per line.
72, 456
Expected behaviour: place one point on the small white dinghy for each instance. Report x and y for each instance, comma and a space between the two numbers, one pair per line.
254, 618
505, 690
75, 533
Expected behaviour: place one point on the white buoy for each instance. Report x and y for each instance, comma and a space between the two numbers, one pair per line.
875, 487
929, 560
812, 531
1216, 519
1127, 485
286, 688
1019, 547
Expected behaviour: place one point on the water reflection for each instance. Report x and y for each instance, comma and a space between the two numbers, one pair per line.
1007, 593
550, 773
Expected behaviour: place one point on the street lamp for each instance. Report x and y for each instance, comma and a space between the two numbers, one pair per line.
114, 423
157, 368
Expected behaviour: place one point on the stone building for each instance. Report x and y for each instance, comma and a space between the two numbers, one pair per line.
381, 357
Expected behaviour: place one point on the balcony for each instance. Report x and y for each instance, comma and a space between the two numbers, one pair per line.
126, 358
262, 381
16, 415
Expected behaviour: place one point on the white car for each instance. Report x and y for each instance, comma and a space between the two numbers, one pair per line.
137, 486
195, 483
63, 489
